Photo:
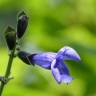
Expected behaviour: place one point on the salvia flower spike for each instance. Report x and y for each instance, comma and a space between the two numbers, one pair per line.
55, 62
21, 24
10, 36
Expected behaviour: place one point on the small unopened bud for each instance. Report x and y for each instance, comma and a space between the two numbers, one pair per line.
10, 36
21, 24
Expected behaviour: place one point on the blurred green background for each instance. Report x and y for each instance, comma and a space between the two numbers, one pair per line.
52, 25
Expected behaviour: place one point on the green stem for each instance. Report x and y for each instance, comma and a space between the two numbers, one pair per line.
7, 73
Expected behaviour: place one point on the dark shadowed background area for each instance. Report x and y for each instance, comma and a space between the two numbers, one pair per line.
52, 25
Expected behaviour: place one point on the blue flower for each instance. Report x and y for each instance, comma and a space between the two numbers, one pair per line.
55, 62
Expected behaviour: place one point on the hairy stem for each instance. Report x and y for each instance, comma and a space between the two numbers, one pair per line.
8, 69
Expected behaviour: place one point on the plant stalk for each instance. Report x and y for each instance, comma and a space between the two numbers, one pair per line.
8, 69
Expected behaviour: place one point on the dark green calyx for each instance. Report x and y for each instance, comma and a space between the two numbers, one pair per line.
10, 36
23, 56
21, 24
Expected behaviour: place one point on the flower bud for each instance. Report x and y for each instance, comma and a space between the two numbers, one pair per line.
22, 24
10, 36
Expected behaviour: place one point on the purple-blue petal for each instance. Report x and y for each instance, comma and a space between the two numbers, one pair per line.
68, 53
66, 79
61, 72
43, 59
